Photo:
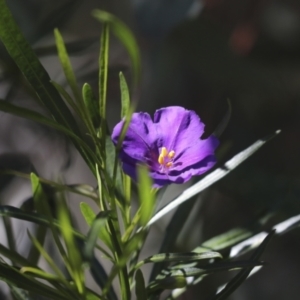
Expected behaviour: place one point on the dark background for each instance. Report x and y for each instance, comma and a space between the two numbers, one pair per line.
197, 54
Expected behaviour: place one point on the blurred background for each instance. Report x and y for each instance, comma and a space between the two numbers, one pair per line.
197, 54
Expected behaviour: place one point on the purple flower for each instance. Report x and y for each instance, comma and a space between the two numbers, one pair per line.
170, 145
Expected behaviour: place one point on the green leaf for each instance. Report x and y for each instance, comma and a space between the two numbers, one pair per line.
74, 256
80, 189
92, 297
13, 212
100, 278
46, 256
98, 225
181, 257
168, 283
9, 233
39, 274
41, 204
38, 194
14, 256
211, 178
66, 64
125, 98
103, 73
227, 239
19, 294
242, 275
124, 34
140, 289
89, 216
21, 52
172, 231
112, 166
87, 212
12, 277
146, 194
67, 97
91, 105
34, 254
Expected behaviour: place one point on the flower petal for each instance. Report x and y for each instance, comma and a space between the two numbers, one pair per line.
178, 127
184, 175
194, 153
140, 136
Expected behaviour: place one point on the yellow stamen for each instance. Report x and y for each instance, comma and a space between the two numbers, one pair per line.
171, 154
161, 159
169, 164
164, 151
165, 158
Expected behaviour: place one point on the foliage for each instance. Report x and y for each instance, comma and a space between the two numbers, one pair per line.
116, 232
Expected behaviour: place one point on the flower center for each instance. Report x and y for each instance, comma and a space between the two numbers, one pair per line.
165, 158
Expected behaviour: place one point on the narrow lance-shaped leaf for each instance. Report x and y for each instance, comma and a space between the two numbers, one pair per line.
46, 256
227, 239
146, 194
13, 212
72, 249
91, 104
89, 216
236, 250
19, 294
211, 178
67, 97
14, 256
112, 166
66, 64
98, 224
21, 52
242, 275
14, 277
140, 289
172, 231
125, 98
100, 278
124, 34
103, 73
180, 257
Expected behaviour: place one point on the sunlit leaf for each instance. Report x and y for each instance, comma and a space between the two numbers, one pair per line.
227, 239
242, 275
124, 34
66, 64
211, 178
74, 256
103, 73
173, 231
146, 194
125, 98
181, 257
91, 105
